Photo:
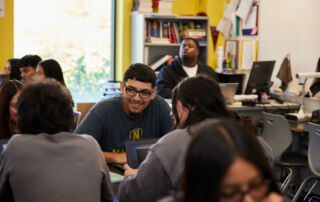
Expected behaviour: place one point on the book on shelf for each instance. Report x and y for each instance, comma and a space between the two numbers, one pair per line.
195, 33
160, 62
157, 40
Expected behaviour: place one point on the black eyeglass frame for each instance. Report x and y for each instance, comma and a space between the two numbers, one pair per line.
147, 95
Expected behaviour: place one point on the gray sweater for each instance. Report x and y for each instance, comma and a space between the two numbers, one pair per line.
60, 167
159, 174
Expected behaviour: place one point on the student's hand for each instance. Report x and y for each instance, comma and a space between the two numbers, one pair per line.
128, 170
273, 197
120, 158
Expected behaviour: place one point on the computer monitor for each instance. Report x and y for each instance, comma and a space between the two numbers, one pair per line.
260, 77
137, 151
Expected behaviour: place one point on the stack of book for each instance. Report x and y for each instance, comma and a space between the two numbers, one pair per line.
142, 6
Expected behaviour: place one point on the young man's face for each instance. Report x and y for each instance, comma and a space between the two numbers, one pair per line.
136, 96
27, 73
188, 50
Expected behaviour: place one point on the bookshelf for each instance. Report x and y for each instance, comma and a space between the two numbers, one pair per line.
154, 35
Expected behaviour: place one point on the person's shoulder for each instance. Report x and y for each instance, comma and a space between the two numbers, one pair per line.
107, 104
158, 100
175, 137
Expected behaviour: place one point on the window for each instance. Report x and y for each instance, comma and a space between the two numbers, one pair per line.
76, 33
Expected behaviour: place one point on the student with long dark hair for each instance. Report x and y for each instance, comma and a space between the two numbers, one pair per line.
7, 92
194, 100
13, 68
50, 68
225, 163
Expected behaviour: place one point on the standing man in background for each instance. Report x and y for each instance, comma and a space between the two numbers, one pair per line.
28, 65
137, 114
187, 65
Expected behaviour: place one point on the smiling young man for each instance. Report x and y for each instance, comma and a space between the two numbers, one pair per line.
137, 114
187, 65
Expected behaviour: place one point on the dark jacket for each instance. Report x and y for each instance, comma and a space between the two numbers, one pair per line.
171, 75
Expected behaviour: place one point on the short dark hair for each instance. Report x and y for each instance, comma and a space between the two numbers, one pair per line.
195, 41
15, 65
215, 146
202, 96
7, 92
30, 60
52, 69
140, 72
45, 107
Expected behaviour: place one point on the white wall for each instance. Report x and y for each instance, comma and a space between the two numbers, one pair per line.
290, 26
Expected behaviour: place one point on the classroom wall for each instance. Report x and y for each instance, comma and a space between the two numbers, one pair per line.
290, 26
6, 36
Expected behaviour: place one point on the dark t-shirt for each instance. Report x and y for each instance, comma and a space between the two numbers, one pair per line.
111, 126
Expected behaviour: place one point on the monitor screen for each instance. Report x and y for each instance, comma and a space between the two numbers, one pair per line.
260, 77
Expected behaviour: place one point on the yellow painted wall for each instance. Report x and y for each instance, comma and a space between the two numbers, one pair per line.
214, 10
6, 34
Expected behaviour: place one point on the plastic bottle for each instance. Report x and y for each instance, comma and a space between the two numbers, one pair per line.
220, 58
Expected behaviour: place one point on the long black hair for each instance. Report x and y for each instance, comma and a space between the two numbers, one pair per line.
202, 96
215, 146
52, 69
7, 92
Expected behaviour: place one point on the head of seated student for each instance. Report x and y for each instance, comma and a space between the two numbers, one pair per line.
138, 88
7, 95
13, 68
50, 68
189, 52
195, 99
225, 163
28, 67
45, 107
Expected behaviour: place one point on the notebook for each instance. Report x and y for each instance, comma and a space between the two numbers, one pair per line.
228, 91
137, 151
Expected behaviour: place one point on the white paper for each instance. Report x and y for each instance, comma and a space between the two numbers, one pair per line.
224, 27
231, 8
234, 22
248, 53
251, 21
244, 9
1, 8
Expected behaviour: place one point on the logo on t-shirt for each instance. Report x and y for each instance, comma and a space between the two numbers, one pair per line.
136, 134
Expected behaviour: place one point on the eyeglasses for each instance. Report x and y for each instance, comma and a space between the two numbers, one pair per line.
257, 189
130, 91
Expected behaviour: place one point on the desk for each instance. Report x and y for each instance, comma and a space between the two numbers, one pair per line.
272, 107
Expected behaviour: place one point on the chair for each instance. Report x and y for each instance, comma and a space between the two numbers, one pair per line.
277, 133
313, 159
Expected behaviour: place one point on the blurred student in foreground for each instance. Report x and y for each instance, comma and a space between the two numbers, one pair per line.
225, 163
47, 156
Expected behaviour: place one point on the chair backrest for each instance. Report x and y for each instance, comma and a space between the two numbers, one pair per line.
277, 133
314, 148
